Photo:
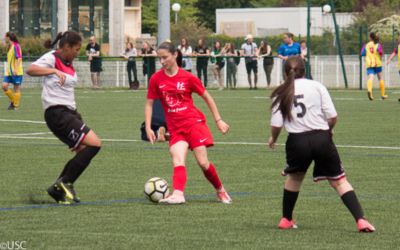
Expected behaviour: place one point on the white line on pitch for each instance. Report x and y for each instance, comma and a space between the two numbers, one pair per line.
221, 143
26, 134
22, 121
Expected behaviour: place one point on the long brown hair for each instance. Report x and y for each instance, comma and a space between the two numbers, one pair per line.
283, 96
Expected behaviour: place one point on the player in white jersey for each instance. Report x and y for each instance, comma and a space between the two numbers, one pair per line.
306, 110
58, 99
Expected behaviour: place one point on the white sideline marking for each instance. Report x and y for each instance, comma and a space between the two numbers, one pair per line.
22, 121
221, 143
26, 134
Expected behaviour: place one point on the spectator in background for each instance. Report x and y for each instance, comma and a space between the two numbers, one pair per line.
265, 52
249, 50
202, 52
93, 54
218, 63
230, 53
287, 49
130, 54
149, 60
304, 53
187, 51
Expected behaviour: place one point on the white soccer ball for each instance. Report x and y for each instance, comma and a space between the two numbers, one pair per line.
156, 189
326, 8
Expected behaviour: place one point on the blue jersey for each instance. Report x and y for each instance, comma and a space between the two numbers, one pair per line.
286, 50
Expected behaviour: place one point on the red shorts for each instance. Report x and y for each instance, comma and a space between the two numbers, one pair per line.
198, 135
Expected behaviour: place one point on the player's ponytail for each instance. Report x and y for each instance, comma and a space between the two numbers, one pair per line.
71, 38
283, 96
374, 37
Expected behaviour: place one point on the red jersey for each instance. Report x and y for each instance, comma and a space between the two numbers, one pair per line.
175, 93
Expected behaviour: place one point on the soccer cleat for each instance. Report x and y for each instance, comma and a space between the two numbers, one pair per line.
68, 188
223, 196
364, 226
57, 194
174, 199
370, 97
287, 224
11, 106
384, 97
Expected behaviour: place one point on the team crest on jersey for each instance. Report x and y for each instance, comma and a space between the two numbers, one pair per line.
180, 86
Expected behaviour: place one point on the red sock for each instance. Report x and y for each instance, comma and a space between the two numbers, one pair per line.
212, 177
179, 178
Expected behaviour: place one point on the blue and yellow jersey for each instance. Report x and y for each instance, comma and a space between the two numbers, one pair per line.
373, 53
14, 61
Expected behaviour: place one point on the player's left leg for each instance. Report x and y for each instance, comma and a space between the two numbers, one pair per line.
9, 93
17, 95
382, 85
370, 84
349, 198
290, 195
209, 171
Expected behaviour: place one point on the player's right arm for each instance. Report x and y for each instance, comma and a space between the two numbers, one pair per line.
391, 56
275, 131
35, 70
148, 111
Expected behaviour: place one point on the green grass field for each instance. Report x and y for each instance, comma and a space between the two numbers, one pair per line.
115, 215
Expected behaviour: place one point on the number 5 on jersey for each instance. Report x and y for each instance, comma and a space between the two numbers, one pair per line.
298, 103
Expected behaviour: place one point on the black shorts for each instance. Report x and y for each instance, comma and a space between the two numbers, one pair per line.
252, 66
317, 146
67, 125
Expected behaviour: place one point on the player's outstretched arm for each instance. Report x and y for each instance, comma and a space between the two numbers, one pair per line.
148, 111
221, 125
390, 58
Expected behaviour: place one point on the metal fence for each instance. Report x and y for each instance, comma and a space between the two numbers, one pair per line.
326, 69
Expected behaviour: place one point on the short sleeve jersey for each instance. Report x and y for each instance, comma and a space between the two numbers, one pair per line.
311, 109
373, 53
175, 94
292, 50
53, 93
13, 54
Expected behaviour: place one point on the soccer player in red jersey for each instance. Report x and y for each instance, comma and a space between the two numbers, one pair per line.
186, 124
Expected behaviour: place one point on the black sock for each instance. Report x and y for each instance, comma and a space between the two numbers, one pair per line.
75, 167
351, 202
289, 201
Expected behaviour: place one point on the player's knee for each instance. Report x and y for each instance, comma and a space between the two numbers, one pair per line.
4, 87
337, 183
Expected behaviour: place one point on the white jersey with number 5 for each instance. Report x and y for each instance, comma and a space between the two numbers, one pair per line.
312, 107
